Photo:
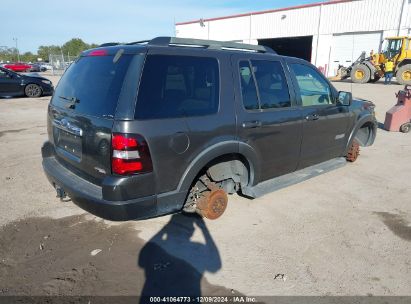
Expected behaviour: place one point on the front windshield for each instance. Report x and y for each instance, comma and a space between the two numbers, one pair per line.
391, 47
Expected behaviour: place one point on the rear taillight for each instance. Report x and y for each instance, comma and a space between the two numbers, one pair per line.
130, 154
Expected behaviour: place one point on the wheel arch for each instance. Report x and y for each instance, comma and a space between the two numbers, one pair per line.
220, 153
402, 63
364, 131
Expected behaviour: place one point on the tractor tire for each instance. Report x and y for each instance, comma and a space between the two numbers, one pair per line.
404, 74
360, 73
353, 152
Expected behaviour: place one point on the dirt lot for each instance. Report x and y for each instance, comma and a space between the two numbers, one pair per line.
346, 232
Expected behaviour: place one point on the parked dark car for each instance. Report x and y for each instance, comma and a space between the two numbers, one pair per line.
142, 130
13, 84
37, 67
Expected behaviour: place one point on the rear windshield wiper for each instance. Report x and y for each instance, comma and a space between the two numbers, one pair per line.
72, 101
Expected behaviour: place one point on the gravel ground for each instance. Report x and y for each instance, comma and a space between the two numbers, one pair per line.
346, 232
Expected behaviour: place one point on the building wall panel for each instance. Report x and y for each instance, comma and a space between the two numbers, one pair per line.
193, 30
346, 17
360, 16
229, 29
299, 22
406, 25
357, 16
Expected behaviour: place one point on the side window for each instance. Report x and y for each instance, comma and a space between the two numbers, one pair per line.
314, 90
271, 91
3, 74
248, 88
177, 86
271, 83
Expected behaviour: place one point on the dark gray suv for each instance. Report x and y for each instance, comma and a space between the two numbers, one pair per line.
149, 128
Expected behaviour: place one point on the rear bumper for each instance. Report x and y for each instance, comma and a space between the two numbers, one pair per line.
88, 196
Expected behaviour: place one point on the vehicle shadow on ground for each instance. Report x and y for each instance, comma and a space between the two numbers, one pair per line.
79, 255
173, 263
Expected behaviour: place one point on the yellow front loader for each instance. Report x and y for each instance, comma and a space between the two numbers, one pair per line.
371, 69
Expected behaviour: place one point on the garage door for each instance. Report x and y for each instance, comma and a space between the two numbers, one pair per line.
346, 48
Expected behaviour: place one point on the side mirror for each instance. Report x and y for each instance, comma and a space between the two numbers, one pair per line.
344, 98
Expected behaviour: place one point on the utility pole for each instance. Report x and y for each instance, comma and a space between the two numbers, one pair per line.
17, 50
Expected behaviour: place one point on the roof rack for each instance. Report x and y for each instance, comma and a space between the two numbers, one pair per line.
109, 44
138, 42
210, 44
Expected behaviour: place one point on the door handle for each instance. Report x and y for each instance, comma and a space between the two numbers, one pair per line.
312, 117
252, 124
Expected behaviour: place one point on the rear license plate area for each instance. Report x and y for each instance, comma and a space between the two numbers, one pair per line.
67, 143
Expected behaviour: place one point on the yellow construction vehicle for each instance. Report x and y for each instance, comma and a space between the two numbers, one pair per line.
371, 69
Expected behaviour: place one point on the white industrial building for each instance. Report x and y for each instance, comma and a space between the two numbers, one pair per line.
326, 33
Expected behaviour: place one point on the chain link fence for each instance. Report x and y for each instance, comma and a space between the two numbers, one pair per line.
59, 63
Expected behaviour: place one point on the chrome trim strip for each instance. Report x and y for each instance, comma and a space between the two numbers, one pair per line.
65, 125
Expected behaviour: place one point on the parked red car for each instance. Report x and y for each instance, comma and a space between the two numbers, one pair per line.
18, 67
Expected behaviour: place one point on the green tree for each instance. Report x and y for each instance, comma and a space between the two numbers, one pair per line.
28, 57
8, 54
45, 50
74, 47
93, 46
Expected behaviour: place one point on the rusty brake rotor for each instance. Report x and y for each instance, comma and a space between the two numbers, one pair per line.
213, 204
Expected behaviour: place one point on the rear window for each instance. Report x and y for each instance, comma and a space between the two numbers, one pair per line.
95, 83
177, 86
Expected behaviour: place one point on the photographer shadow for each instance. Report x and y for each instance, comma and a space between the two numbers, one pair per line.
174, 264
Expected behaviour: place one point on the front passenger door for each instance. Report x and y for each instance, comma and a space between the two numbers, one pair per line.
8, 84
325, 122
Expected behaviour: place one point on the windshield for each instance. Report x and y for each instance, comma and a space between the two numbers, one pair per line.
9, 72
391, 47
92, 84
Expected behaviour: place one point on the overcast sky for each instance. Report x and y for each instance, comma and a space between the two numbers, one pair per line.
45, 22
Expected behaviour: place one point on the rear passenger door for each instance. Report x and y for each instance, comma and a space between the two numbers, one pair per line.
267, 117
183, 108
325, 122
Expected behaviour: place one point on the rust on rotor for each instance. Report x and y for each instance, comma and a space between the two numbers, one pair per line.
213, 204
353, 152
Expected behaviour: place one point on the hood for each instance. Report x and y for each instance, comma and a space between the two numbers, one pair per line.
363, 104
34, 75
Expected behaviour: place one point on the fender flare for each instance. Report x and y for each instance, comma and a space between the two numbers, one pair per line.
213, 152
363, 120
